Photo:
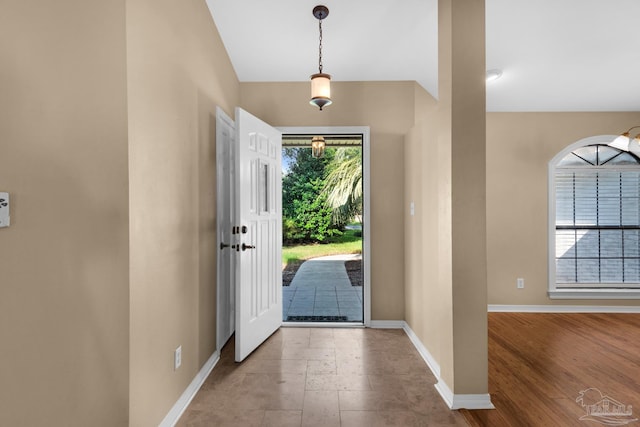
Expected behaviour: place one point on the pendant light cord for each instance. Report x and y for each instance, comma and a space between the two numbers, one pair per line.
320, 48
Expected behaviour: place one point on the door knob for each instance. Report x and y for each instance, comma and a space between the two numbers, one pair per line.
223, 245
245, 247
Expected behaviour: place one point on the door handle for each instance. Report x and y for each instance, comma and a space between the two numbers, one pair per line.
223, 245
245, 247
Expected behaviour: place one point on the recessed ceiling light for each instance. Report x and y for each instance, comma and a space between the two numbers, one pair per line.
493, 75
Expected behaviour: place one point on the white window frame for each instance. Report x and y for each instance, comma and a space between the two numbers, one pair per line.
585, 293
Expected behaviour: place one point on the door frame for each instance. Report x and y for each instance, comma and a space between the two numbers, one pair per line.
223, 307
366, 217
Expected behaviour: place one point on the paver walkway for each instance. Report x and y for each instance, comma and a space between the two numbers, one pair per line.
321, 288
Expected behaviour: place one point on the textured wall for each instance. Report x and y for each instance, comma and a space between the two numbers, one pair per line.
178, 72
64, 262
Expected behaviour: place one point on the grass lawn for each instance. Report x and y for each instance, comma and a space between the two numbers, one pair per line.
348, 243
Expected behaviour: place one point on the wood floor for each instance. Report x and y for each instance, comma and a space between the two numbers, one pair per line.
539, 364
323, 377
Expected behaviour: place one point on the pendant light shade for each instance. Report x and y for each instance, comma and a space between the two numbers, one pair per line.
621, 142
320, 82
320, 90
634, 145
625, 142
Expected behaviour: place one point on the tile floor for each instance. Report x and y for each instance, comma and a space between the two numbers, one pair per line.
322, 377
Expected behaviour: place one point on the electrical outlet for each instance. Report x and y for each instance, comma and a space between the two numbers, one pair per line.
4, 210
520, 283
177, 358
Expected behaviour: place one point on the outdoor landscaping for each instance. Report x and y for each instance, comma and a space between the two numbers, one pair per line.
350, 242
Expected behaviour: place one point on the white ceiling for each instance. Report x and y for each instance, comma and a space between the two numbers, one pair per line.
556, 55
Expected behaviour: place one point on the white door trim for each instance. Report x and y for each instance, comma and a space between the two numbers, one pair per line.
366, 175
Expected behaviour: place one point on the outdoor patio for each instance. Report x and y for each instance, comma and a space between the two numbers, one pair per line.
322, 292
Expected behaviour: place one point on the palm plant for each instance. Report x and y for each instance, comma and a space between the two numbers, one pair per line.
343, 185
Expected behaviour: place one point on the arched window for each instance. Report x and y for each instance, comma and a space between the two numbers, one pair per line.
594, 219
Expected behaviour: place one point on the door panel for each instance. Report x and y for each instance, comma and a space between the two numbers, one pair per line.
258, 245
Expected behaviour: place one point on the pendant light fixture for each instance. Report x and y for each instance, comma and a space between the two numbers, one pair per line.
625, 142
317, 146
320, 82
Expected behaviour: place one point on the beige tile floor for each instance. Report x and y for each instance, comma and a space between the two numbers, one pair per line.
322, 377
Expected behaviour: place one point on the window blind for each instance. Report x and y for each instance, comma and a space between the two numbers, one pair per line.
597, 227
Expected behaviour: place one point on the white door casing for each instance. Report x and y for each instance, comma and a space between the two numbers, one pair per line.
259, 232
225, 177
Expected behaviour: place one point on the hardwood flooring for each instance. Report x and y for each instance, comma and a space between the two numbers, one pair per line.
539, 364
323, 377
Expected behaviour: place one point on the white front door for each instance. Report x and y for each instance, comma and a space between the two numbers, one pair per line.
226, 287
258, 232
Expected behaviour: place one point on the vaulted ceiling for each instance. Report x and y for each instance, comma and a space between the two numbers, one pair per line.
555, 55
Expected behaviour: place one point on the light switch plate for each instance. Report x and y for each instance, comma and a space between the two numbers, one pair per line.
4, 209
177, 358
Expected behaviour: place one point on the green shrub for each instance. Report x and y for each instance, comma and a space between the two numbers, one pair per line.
307, 218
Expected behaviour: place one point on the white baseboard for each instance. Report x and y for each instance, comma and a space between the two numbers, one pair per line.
503, 308
463, 401
387, 324
187, 396
453, 401
426, 355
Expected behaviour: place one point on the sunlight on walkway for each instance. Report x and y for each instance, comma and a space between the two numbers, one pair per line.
321, 288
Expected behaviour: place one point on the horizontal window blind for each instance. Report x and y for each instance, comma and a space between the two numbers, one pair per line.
597, 227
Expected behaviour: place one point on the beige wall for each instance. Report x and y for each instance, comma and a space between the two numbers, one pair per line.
178, 72
519, 148
428, 304
108, 150
64, 294
388, 108
445, 241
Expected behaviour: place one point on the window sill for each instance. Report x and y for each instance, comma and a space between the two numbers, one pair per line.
594, 294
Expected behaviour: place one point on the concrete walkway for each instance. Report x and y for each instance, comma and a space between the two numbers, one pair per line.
321, 288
